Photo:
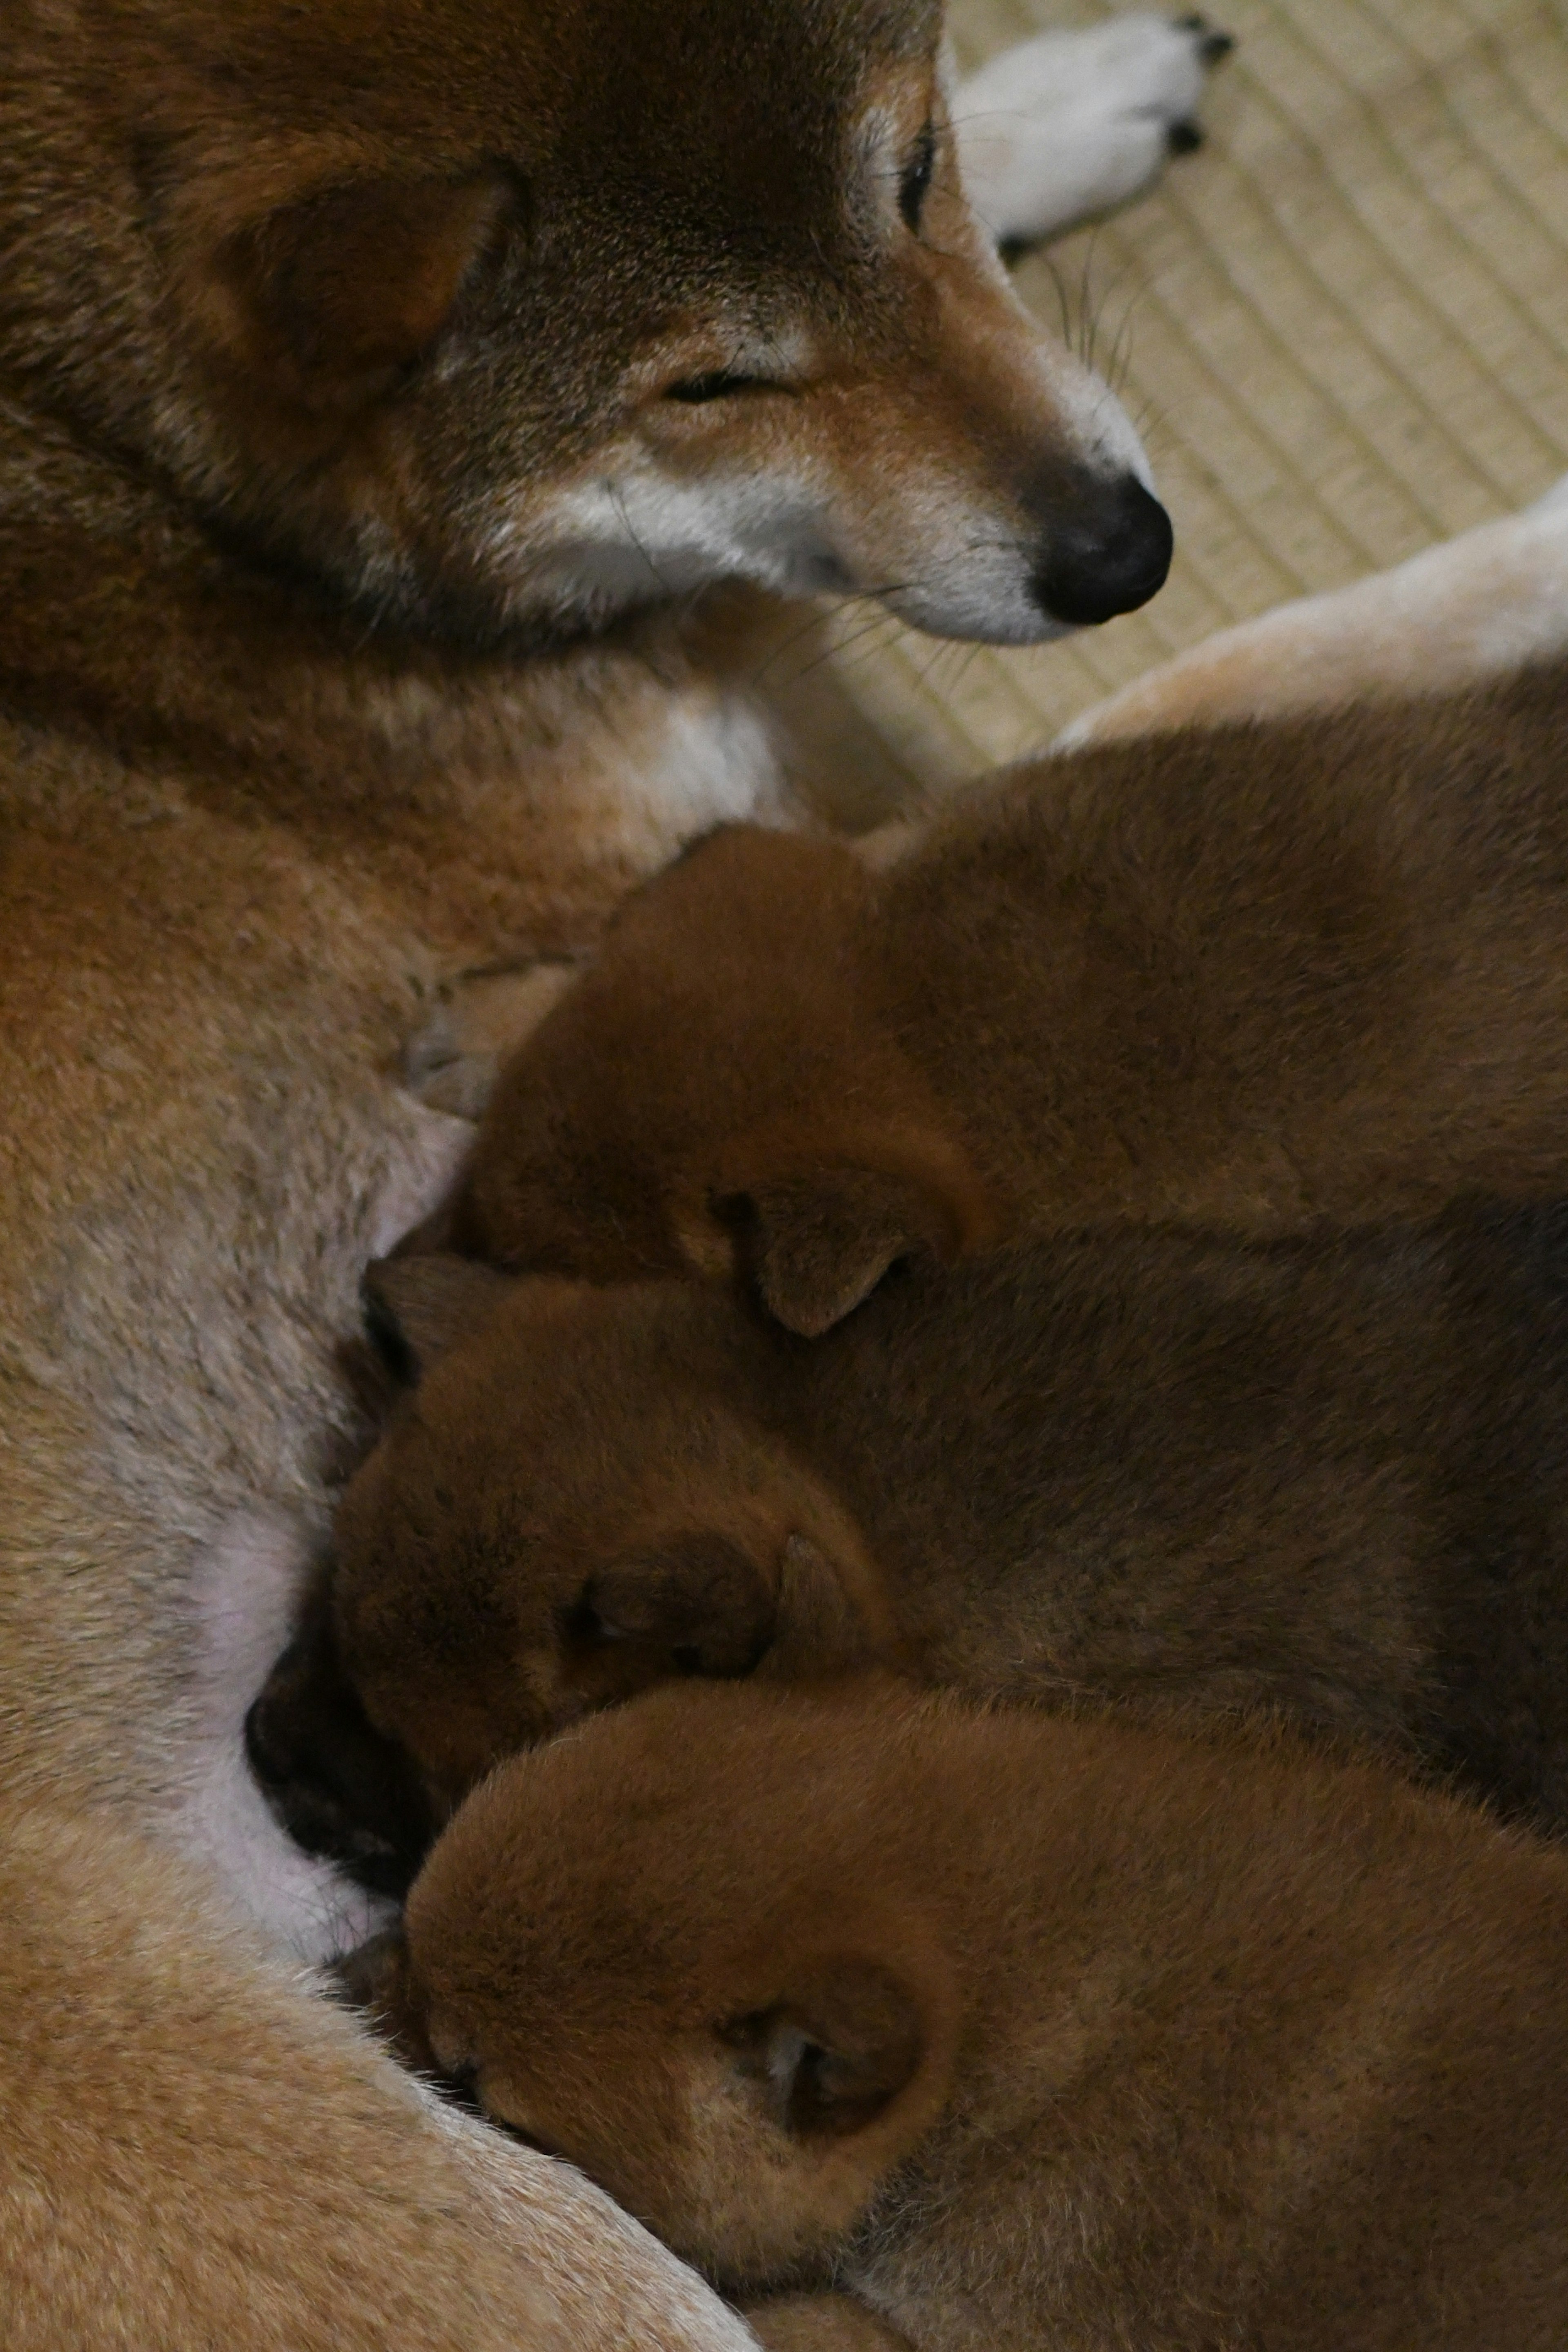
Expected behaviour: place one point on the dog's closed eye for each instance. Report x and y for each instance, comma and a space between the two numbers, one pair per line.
719, 383
915, 185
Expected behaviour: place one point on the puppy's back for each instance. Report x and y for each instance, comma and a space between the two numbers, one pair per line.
1327, 1474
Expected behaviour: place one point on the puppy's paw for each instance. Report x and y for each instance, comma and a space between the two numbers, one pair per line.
1072, 124
451, 1063
820, 2323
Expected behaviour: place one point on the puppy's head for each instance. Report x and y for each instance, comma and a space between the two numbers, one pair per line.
718, 1094
495, 318
693, 1949
578, 1499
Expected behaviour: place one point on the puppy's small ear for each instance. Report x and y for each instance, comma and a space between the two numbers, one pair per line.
327, 300
416, 1307
817, 1245
836, 2051
698, 1600
820, 1629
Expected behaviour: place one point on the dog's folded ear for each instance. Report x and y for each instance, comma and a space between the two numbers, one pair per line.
816, 1245
326, 300
837, 2050
697, 1600
416, 1307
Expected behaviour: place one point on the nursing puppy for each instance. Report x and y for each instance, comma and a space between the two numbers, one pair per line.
1248, 979
1326, 1476
1018, 2032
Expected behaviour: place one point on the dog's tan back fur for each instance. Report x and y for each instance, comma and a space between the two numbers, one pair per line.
1022, 2030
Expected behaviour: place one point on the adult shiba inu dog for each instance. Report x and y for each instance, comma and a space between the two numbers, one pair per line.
374, 380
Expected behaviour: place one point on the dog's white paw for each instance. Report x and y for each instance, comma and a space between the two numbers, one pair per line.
1553, 502
1074, 122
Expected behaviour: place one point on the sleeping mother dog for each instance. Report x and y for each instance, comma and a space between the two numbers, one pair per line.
372, 378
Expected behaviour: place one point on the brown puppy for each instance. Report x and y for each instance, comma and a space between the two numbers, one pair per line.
1326, 1476
1020, 2032
1248, 979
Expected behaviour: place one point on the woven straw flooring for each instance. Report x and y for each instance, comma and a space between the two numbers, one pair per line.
1342, 325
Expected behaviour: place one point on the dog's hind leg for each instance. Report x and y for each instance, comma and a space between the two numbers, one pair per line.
1474, 607
1072, 124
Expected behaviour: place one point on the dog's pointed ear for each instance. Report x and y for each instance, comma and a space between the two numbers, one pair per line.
817, 1244
836, 2051
698, 1600
326, 300
416, 1307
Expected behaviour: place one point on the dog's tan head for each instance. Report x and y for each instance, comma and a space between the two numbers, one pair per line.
578, 1500
497, 316
686, 1948
719, 1093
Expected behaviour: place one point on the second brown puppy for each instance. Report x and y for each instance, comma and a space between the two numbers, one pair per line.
1326, 1476
1247, 979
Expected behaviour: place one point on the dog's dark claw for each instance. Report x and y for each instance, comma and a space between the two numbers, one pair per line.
1183, 137
1212, 45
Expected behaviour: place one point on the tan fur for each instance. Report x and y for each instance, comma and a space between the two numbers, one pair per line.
320, 332
164, 2093
1248, 979
1020, 2032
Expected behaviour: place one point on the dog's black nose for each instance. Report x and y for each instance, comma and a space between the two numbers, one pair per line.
1107, 556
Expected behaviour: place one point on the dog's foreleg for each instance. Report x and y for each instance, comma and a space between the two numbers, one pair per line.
1477, 607
1072, 124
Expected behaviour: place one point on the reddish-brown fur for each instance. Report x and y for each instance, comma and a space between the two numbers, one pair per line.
1019, 2031
1248, 980
1330, 1477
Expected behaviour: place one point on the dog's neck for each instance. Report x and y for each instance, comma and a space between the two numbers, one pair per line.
501, 802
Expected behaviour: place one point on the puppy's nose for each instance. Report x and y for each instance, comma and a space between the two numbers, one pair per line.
338, 1788
1108, 555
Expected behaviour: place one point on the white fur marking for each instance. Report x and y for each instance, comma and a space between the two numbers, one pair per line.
243, 1596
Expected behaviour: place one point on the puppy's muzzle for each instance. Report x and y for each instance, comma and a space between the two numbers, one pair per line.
1107, 553
340, 1788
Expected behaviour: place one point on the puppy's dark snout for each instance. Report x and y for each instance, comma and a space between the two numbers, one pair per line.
1108, 554
338, 1787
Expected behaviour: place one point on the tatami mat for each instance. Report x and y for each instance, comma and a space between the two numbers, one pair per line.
1342, 325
